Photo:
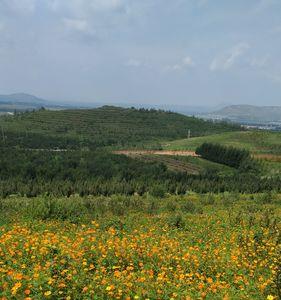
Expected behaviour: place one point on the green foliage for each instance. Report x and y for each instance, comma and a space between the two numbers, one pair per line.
105, 126
229, 156
158, 191
176, 221
231, 251
32, 173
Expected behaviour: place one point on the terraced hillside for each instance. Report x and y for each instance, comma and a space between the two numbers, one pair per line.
188, 164
106, 126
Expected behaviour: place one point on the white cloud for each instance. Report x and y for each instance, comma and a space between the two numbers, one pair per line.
259, 62
227, 61
186, 62
76, 24
97, 18
83, 8
134, 63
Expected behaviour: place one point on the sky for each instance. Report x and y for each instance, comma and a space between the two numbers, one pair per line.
185, 52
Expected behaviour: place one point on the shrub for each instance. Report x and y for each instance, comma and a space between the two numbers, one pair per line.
177, 221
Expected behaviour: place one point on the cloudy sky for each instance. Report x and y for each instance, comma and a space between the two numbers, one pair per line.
189, 52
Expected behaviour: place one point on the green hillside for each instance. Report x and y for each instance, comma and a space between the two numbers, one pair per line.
106, 126
258, 142
264, 145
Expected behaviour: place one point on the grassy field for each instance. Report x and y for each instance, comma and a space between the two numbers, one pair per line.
192, 247
264, 146
258, 142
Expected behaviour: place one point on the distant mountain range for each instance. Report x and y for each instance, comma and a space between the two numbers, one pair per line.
25, 102
21, 98
248, 114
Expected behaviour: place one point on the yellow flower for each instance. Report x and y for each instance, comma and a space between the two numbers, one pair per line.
15, 288
270, 297
48, 293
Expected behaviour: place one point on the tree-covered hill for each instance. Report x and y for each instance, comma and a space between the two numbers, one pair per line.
105, 126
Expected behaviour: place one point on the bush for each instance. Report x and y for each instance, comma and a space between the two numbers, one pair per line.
176, 221
192, 207
157, 191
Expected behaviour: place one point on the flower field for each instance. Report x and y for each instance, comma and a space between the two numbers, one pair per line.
221, 252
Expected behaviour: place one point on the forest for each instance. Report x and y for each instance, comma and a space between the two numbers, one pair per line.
237, 158
36, 172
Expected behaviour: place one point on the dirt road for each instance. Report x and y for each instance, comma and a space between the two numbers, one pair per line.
156, 152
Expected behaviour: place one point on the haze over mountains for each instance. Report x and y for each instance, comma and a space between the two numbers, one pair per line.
249, 114
243, 113
23, 102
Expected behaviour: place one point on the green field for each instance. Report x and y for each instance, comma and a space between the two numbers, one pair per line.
258, 142
264, 145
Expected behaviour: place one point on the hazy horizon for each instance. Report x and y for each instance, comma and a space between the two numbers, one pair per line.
183, 52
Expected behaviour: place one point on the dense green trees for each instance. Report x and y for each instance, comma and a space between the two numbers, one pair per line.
34, 173
87, 168
102, 127
230, 156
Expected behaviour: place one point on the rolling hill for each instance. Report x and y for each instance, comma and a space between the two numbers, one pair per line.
248, 114
22, 102
105, 126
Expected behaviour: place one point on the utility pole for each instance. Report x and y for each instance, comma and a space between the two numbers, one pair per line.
189, 134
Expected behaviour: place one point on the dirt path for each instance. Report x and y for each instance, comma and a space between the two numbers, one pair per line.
156, 152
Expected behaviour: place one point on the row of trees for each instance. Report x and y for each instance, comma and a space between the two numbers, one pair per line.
157, 188
230, 156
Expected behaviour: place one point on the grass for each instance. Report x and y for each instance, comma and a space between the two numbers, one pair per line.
258, 142
264, 145
180, 163
205, 165
192, 247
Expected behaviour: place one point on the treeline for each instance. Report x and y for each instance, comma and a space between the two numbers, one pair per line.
230, 156
176, 185
34, 173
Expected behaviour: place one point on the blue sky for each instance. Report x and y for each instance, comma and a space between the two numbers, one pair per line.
189, 52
